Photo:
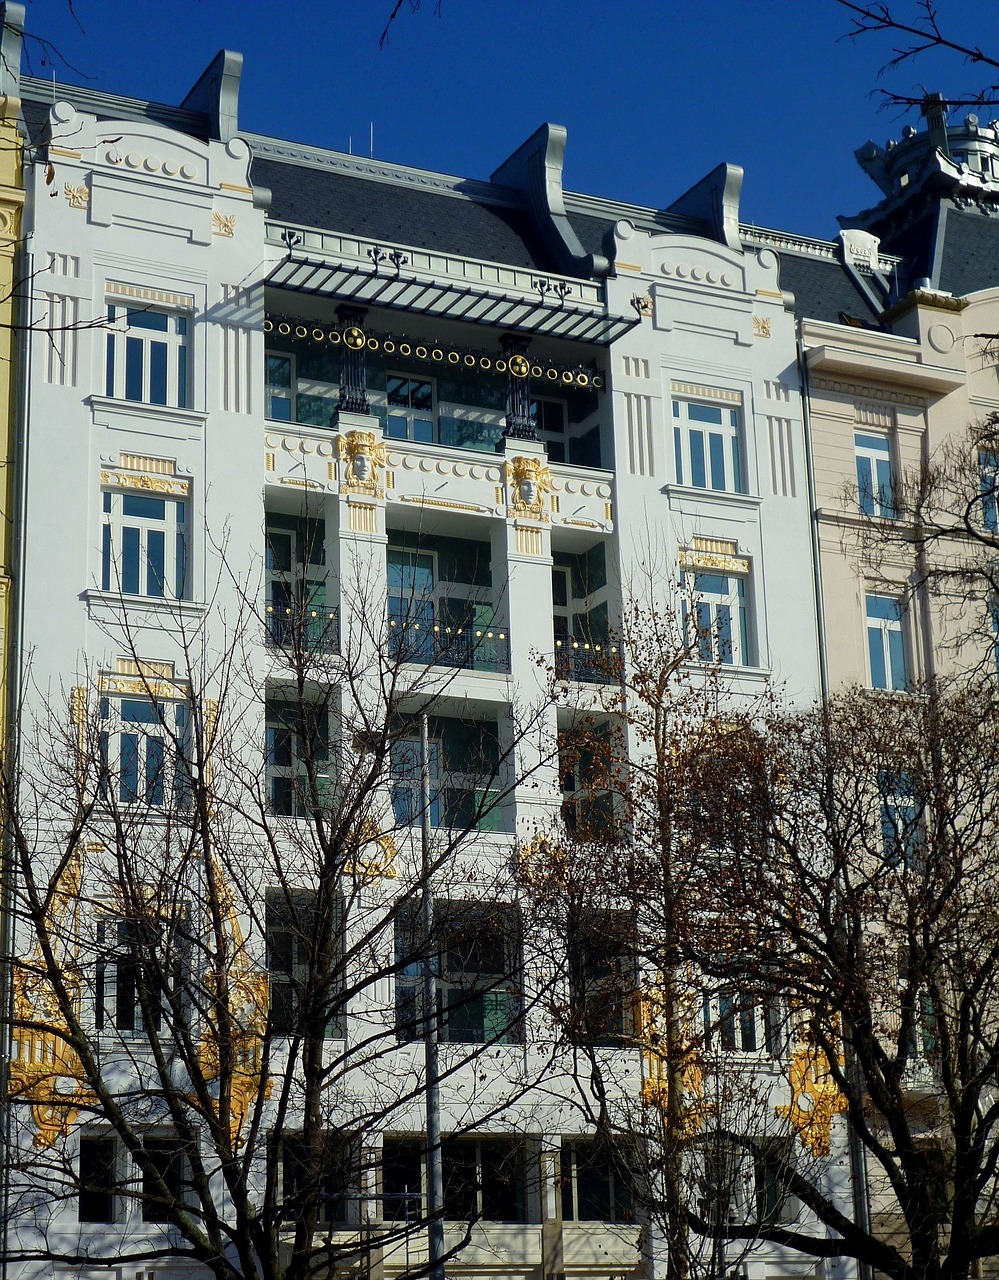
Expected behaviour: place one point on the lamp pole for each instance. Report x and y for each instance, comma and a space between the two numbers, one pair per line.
435, 1174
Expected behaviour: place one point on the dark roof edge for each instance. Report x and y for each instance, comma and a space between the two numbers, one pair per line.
114, 105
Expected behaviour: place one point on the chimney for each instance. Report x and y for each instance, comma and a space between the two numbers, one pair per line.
934, 111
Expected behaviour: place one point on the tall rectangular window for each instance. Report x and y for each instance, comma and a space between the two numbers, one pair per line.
280, 399
707, 446
297, 758
171, 1159
602, 977
901, 829
133, 965
144, 545
550, 423
875, 479
146, 355
886, 642
484, 1178
297, 610
98, 1180
716, 619
743, 1022
304, 955
988, 468
145, 752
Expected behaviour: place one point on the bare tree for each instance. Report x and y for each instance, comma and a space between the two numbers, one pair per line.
874, 913
222, 918
657, 773
920, 26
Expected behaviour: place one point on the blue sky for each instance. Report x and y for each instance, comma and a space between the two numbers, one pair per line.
654, 93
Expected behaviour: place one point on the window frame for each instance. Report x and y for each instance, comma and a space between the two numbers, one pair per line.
621, 1206
158, 779
127, 556
176, 1173
696, 465
297, 596
715, 640
890, 660
467, 998
130, 375
286, 759
875, 463
411, 414
109, 1191
290, 973
340, 1159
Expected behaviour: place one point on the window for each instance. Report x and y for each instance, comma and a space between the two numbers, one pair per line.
98, 1180
478, 963
715, 618
772, 1162
171, 1160
402, 1179
462, 763
707, 446
133, 960
412, 577
549, 418
988, 466
280, 404
885, 642
329, 1171
901, 831
144, 748
739, 1022
296, 940
144, 542
147, 355
595, 1184
484, 1179
297, 611
602, 979
297, 744
410, 409
875, 481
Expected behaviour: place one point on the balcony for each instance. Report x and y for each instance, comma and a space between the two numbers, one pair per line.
302, 629
588, 661
437, 645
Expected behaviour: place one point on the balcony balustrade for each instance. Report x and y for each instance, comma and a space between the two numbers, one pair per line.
435, 644
588, 661
303, 627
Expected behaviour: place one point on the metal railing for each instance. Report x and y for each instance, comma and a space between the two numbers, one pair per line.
304, 627
588, 661
435, 644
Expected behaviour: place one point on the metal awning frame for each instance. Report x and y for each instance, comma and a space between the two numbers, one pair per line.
446, 300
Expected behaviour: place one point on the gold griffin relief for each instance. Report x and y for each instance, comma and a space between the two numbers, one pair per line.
815, 1099
45, 1070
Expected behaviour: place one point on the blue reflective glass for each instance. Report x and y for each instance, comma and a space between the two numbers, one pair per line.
704, 413
129, 567
157, 373
128, 780
155, 758
698, 476
106, 556
182, 377
716, 445
724, 630
109, 366
155, 563
133, 368
138, 711
181, 583
134, 504
876, 652
678, 452
145, 319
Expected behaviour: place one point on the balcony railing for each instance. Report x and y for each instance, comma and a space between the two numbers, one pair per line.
589, 661
435, 644
303, 627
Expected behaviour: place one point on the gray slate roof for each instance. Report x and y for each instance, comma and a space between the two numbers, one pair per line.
970, 257
822, 289
399, 214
